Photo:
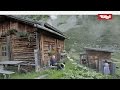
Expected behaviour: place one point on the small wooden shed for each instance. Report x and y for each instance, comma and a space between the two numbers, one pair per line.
93, 57
19, 38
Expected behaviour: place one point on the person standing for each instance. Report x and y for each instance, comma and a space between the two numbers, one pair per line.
106, 68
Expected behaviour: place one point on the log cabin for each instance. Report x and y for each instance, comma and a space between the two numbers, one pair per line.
95, 57
20, 37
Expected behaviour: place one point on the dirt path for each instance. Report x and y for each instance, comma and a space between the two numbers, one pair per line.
42, 76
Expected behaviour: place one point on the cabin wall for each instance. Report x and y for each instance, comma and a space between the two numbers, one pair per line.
5, 40
22, 48
49, 43
100, 55
94, 57
16, 48
4, 27
60, 43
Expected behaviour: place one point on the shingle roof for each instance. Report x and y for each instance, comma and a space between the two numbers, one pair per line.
42, 25
98, 49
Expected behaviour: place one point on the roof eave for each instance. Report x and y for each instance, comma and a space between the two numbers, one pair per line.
102, 50
38, 25
41, 27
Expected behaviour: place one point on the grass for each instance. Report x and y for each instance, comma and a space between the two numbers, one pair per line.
52, 74
72, 71
59, 74
55, 74
29, 75
116, 56
116, 59
74, 56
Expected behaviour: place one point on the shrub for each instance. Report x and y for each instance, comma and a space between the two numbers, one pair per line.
22, 34
81, 72
12, 31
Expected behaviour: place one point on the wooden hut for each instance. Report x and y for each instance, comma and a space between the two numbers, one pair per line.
95, 57
20, 37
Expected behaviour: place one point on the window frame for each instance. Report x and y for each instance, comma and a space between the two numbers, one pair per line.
4, 50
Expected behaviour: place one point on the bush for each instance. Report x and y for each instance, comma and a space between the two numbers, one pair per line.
81, 72
12, 31
22, 34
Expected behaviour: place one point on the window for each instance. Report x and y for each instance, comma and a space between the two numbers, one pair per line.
4, 51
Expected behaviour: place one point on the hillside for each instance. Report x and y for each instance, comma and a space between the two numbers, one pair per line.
88, 31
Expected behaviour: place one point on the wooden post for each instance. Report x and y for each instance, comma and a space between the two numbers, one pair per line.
5, 76
9, 48
37, 63
37, 53
18, 67
80, 59
42, 51
88, 60
113, 67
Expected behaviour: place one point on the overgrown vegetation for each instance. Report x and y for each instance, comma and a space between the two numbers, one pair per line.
71, 71
22, 34
12, 31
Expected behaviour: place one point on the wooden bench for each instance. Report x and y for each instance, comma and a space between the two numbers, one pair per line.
5, 73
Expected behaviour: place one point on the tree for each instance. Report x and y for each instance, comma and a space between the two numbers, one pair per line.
35, 17
38, 17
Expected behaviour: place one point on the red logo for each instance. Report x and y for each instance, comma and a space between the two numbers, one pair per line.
104, 16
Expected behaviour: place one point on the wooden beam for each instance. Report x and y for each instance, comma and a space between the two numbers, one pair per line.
9, 51
37, 52
38, 45
11, 57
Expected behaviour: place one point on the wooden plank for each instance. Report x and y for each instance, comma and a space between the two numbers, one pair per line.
11, 62
8, 48
6, 72
21, 51
25, 59
42, 40
38, 45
